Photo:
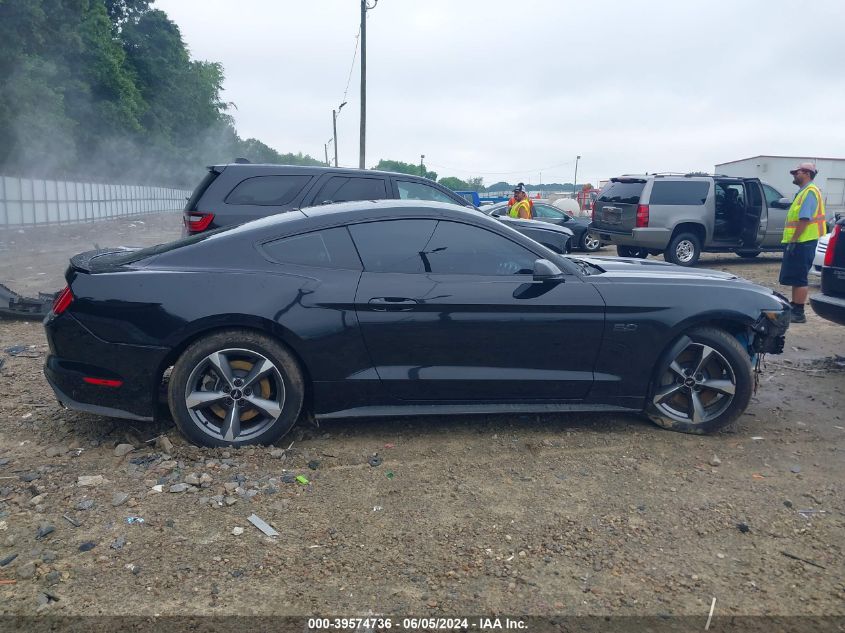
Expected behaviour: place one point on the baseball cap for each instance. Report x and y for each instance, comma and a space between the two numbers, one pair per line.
520, 187
807, 166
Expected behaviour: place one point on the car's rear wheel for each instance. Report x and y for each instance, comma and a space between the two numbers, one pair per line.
748, 254
590, 243
631, 251
234, 388
684, 249
704, 383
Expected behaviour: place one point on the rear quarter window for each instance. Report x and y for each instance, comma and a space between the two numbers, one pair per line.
622, 192
267, 191
679, 192
329, 248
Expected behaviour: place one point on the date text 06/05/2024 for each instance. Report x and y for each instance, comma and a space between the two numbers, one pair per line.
415, 624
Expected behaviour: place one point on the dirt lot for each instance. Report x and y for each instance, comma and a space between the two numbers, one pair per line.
566, 514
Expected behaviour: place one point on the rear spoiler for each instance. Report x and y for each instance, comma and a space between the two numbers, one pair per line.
87, 262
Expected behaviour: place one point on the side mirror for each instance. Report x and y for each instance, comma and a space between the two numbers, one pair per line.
783, 203
544, 270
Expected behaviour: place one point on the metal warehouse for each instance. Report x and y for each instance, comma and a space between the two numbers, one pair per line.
774, 170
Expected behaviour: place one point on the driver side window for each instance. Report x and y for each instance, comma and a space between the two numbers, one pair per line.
438, 247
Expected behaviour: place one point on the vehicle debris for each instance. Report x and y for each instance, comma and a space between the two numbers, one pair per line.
261, 525
303, 480
710, 615
803, 560
134, 520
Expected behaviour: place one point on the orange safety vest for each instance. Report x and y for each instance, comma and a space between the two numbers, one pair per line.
818, 224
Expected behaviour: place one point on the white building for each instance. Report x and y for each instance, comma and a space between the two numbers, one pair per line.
774, 170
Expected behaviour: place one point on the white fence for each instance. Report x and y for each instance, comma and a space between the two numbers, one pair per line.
28, 202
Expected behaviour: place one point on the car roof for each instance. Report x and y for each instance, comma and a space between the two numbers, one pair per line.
311, 169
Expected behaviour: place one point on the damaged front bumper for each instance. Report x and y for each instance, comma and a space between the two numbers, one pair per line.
770, 331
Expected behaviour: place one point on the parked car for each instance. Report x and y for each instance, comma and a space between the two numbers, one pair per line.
818, 260
830, 304
683, 216
369, 309
240, 192
546, 212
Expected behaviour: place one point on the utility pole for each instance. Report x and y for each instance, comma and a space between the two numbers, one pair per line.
326, 150
575, 184
334, 129
422, 168
361, 151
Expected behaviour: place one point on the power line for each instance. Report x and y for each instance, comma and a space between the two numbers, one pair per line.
352, 66
502, 173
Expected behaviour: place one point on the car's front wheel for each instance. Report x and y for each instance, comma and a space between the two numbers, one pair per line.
704, 382
234, 388
589, 242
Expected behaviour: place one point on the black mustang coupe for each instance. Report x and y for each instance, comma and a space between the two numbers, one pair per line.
365, 309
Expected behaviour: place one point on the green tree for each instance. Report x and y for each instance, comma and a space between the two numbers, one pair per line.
455, 184
405, 168
476, 183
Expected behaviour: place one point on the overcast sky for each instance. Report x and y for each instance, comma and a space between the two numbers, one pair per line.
507, 89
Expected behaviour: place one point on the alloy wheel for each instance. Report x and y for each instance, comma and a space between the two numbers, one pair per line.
698, 386
591, 243
235, 394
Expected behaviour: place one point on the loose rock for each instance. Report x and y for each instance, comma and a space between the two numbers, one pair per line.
90, 480
715, 461
43, 530
119, 498
121, 450
85, 504
56, 451
163, 443
26, 571
178, 487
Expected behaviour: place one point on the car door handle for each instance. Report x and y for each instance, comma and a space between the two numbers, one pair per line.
392, 304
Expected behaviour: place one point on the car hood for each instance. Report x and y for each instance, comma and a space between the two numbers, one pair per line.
633, 267
517, 223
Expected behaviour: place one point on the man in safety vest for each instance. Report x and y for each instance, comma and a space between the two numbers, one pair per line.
521, 205
805, 224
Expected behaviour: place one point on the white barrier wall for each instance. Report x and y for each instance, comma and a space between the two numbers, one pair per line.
28, 202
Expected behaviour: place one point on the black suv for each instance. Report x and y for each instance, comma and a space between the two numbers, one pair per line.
237, 193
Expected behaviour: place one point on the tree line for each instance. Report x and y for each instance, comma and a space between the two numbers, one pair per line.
106, 90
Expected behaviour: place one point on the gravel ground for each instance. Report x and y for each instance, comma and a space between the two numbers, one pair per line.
565, 514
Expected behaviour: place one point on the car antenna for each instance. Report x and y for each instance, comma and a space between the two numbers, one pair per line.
242, 161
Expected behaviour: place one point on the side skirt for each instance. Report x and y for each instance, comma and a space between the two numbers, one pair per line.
469, 409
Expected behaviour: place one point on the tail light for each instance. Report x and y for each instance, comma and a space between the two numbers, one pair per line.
62, 301
197, 221
642, 216
831, 245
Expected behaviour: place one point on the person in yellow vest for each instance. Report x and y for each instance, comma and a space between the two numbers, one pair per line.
805, 224
521, 207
